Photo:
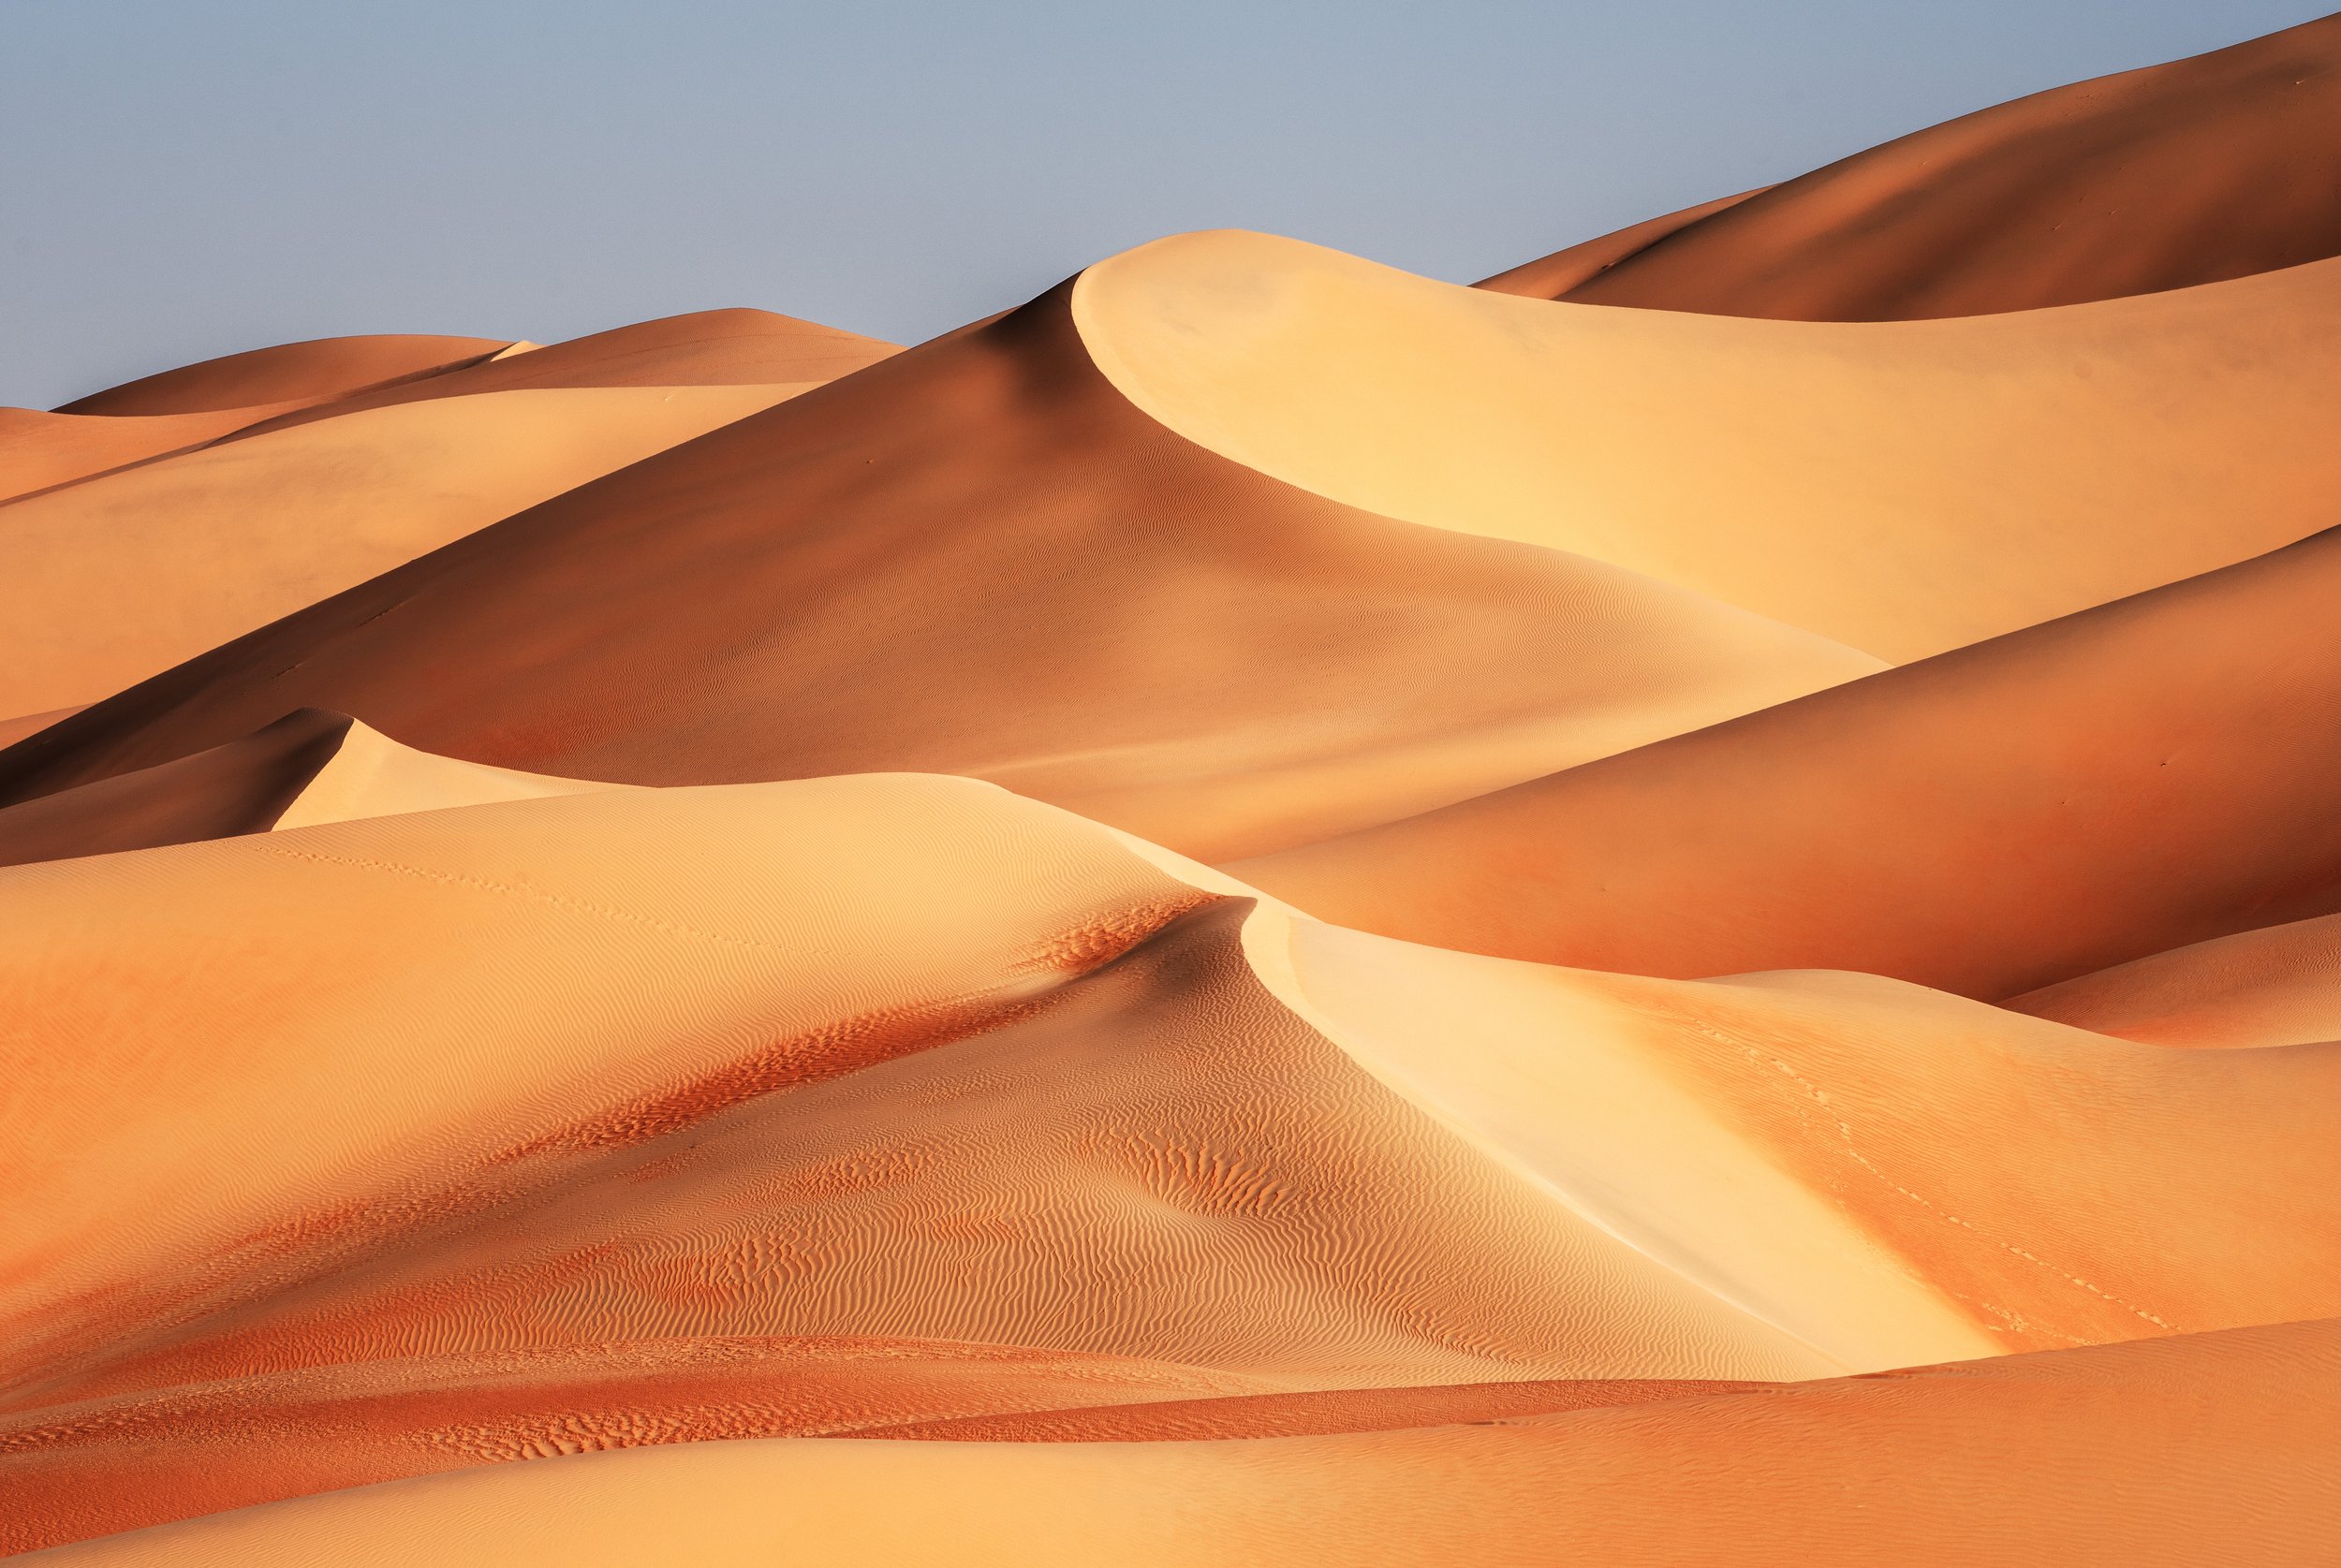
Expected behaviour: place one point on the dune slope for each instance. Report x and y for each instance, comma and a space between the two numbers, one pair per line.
1905, 488
386, 1144
307, 372
2276, 986
2186, 173
2210, 1449
2130, 779
122, 576
992, 565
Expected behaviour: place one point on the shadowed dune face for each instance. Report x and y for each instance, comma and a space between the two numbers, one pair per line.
2130, 779
1261, 913
991, 565
2207, 168
2227, 1457
292, 372
1905, 488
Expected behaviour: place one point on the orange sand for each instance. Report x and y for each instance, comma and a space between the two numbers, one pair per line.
2180, 174
1260, 913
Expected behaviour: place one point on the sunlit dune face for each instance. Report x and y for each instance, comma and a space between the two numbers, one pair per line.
1263, 912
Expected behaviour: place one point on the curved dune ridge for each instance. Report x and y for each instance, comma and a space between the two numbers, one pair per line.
1905, 487
992, 565
2186, 173
1261, 911
1004, 1060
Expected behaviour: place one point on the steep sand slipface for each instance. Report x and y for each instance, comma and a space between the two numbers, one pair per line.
118, 578
2180, 174
1905, 489
13, 730
2210, 1450
2279, 985
292, 372
2130, 779
992, 565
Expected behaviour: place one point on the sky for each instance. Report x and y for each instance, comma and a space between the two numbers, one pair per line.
185, 178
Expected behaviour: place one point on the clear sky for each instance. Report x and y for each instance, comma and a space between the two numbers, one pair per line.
185, 178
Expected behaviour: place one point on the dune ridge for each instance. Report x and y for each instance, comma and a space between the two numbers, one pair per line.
2203, 169
1261, 911
896, 511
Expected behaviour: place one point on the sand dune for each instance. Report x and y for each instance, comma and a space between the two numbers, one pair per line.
308, 767
705, 348
1263, 912
314, 370
2210, 1449
1550, 277
2188, 173
2276, 986
2128, 780
40, 450
1905, 489
579, 1089
995, 566
122, 576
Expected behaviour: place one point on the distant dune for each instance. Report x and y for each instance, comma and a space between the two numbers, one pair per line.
292, 372
2208, 169
1261, 911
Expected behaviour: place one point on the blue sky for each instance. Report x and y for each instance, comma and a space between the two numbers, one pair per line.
180, 179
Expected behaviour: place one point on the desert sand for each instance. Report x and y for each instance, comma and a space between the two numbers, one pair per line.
2186, 173
1259, 912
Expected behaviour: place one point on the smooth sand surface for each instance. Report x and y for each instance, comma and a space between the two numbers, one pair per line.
2277, 986
2186, 173
2134, 778
2212, 1449
993, 564
1905, 488
705, 348
292, 372
1549, 277
1260, 913
119, 578
38, 452
596, 1095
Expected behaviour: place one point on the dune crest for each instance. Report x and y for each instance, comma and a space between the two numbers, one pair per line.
314, 370
1885, 487
2203, 169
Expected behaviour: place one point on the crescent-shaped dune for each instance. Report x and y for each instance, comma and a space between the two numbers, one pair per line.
314, 370
2130, 779
992, 565
2175, 175
1905, 488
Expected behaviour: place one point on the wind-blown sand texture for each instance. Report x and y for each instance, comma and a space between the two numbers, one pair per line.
1261, 911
